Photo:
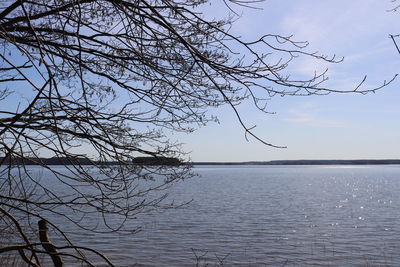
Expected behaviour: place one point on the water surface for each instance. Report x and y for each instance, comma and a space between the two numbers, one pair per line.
269, 216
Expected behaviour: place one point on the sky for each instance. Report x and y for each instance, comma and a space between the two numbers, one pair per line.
337, 126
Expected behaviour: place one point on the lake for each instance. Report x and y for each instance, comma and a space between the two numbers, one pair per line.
269, 216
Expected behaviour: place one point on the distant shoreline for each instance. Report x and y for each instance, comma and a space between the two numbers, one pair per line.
309, 162
176, 162
87, 162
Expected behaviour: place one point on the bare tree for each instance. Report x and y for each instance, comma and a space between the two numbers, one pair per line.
100, 81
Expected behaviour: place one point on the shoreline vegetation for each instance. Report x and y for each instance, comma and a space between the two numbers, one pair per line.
174, 161
309, 162
86, 161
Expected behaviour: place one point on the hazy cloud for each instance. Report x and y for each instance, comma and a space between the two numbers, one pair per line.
307, 115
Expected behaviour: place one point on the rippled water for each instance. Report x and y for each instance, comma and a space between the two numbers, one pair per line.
270, 216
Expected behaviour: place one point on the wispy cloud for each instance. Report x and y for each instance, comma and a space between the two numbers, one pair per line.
356, 30
334, 24
307, 114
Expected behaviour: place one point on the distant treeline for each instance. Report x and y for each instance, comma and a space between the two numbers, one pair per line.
85, 161
308, 162
174, 161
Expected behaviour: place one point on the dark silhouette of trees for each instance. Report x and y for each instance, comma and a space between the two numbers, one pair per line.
102, 81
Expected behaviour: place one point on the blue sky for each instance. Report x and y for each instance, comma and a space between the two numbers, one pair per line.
337, 126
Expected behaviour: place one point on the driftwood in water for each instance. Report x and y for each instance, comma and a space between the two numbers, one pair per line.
47, 245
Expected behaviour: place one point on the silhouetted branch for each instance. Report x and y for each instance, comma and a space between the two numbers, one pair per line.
47, 245
394, 41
